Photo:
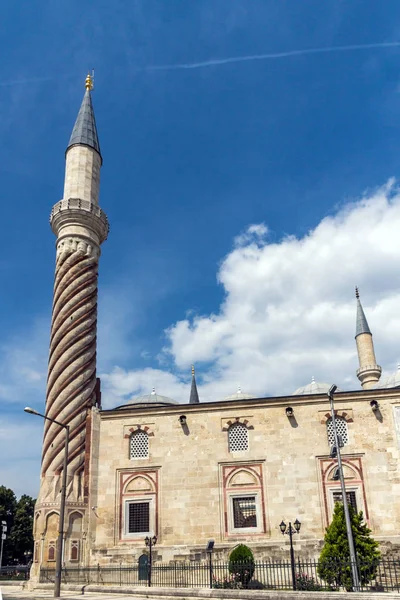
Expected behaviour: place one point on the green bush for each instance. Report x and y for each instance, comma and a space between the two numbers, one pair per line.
334, 563
241, 564
306, 582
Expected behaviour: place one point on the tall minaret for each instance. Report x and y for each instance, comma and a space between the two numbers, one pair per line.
369, 372
194, 395
81, 227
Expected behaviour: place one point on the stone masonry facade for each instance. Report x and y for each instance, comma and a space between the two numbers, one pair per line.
191, 478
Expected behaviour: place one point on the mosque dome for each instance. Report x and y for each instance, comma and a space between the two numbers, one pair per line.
390, 381
152, 399
314, 387
239, 395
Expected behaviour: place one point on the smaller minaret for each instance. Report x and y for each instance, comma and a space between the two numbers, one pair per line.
369, 372
194, 395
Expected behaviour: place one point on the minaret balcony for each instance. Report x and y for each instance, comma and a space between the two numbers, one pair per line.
82, 212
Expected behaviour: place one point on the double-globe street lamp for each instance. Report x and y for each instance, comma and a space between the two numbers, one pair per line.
60, 539
150, 542
290, 531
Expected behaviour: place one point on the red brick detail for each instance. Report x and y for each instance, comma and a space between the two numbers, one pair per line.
245, 423
338, 413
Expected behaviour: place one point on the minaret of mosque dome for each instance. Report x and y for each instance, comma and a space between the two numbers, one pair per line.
73, 390
369, 372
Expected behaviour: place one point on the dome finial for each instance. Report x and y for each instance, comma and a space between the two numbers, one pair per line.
312, 379
89, 81
357, 293
153, 391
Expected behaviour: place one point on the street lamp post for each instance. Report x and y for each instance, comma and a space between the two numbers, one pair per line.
3, 537
353, 558
290, 531
60, 539
150, 542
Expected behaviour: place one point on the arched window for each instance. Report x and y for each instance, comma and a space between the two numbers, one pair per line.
341, 427
52, 551
238, 437
139, 445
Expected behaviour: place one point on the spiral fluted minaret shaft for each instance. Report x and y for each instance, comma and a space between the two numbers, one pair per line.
72, 362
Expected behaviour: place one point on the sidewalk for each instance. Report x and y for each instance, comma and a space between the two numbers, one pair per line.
16, 593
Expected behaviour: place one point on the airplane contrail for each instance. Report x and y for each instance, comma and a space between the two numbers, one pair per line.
32, 80
272, 55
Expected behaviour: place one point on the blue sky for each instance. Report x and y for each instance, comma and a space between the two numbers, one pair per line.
245, 199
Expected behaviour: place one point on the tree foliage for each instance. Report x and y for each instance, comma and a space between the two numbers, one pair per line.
19, 518
334, 563
241, 563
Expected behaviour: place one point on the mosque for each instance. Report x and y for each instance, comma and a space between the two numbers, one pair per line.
228, 470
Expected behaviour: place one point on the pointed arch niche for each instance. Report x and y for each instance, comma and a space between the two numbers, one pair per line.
331, 489
73, 550
51, 534
138, 514
243, 499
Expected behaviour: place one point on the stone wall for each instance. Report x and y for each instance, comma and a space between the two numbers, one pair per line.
191, 477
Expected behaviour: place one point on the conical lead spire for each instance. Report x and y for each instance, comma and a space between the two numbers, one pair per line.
194, 395
361, 320
369, 372
85, 130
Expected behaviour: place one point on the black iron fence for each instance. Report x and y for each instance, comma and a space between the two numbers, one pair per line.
18, 572
379, 576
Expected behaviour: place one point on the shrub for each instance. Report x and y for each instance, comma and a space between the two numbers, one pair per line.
241, 564
334, 563
306, 582
232, 582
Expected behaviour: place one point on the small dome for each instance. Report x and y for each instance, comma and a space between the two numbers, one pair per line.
152, 399
390, 381
239, 396
314, 387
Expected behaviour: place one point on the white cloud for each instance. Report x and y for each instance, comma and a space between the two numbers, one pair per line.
289, 309
288, 313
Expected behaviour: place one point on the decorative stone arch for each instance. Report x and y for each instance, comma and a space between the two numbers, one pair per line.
50, 535
50, 517
36, 522
350, 472
346, 414
139, 483
237, 421
136, 428
243, 477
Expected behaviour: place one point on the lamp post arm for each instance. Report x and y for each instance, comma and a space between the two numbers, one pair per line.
353, 557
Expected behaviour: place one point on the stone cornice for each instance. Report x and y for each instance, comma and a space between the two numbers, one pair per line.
391, 395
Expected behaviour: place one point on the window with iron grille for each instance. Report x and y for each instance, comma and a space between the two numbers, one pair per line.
351, 499
341, 427
139, 444
74, 554
244, 512
139, 517
238, 437
52, 551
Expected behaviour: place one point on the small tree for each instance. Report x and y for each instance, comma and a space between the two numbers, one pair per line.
334, 565
21, 536
241, 563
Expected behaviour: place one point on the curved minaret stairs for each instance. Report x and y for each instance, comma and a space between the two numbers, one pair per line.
72, 387
369, 372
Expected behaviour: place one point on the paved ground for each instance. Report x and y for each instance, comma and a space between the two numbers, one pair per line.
11, 593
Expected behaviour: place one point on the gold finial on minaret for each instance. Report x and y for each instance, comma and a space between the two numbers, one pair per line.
192, 370
89, 81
